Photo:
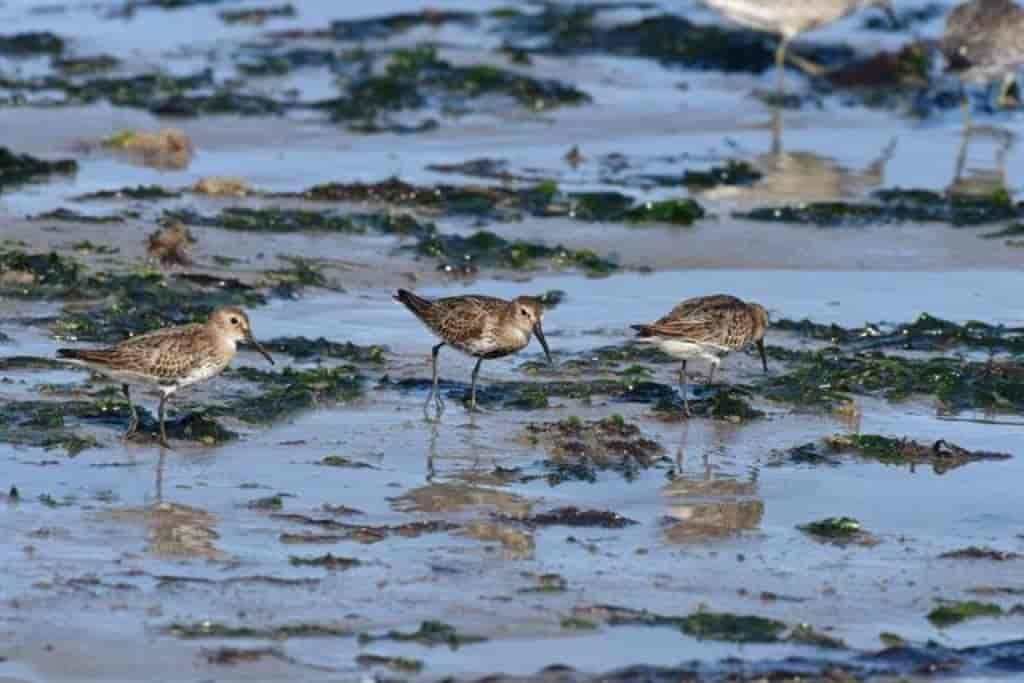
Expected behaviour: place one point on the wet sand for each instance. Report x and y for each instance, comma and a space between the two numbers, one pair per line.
125, 563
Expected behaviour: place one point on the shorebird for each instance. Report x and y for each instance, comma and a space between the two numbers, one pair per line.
707, 328
983, 41
790, 18
170, 358
481, 326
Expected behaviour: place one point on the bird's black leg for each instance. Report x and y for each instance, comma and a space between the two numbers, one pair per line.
435, 391
134, 424
472, 386
163, 430
682, 389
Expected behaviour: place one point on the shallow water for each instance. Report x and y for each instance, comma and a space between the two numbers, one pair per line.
107, 551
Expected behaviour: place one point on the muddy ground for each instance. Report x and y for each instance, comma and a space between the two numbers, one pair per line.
853, 513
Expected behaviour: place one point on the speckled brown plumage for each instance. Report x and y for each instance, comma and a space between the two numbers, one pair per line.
481, 326
707, 328
170, 358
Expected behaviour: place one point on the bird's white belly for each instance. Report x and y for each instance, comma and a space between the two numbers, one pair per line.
200, 374
687, 350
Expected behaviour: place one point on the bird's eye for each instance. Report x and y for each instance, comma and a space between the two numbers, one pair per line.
524, 312
234, 321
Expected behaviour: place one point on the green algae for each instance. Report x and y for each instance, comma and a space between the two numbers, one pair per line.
827, 378
725, 404
417, 77
954, 613
734, 173
927, 333
303, 348
672, 211
256, 15
897, 206
31, 44
274, 220
290, 391
38, 276
327, 561
74, 66
430, 634
941, 454
137, 193
572, 516
64, 214
466, 255
381, 27
209, 629
579, 450
838, 531
703, 625
18, 169
404, 665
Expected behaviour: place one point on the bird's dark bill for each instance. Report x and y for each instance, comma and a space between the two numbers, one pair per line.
259, 347
537, 330
764, 356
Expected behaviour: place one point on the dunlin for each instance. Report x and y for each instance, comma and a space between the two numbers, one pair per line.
707, 328
790, 18
170, 358
481, 326
984, 41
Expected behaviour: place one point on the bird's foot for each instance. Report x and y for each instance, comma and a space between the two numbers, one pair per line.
807, 66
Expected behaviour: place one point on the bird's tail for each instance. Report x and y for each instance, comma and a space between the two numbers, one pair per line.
416, 304
643, 331
85, 355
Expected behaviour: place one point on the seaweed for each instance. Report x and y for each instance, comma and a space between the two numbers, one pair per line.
838, 531
574, 517
397, 664
579, 449
139, 192
703, 625
430, 633
732, 173
417, 76
672, 211
256, 15
466, 255
302, 348
290, 391
378, 28
954, 613
31, 44
75, 66
328, 561
18, 169
64, 214
927, 333
211, 629
825, 379
980, 553
897, 206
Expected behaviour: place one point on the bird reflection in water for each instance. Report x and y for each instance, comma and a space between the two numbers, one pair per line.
982, 181
701, 507
804, 176
174, 530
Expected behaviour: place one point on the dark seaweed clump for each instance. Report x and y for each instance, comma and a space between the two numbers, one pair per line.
377, 28
303, 349
31, 44
578, 450
418, 77
825, 379
954, 613
17, 169
430, 633
897, 206
735, 628
543, 200
927, 333
667, 38
838, 531
290, 391
727, 404
466, 255
942, 455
